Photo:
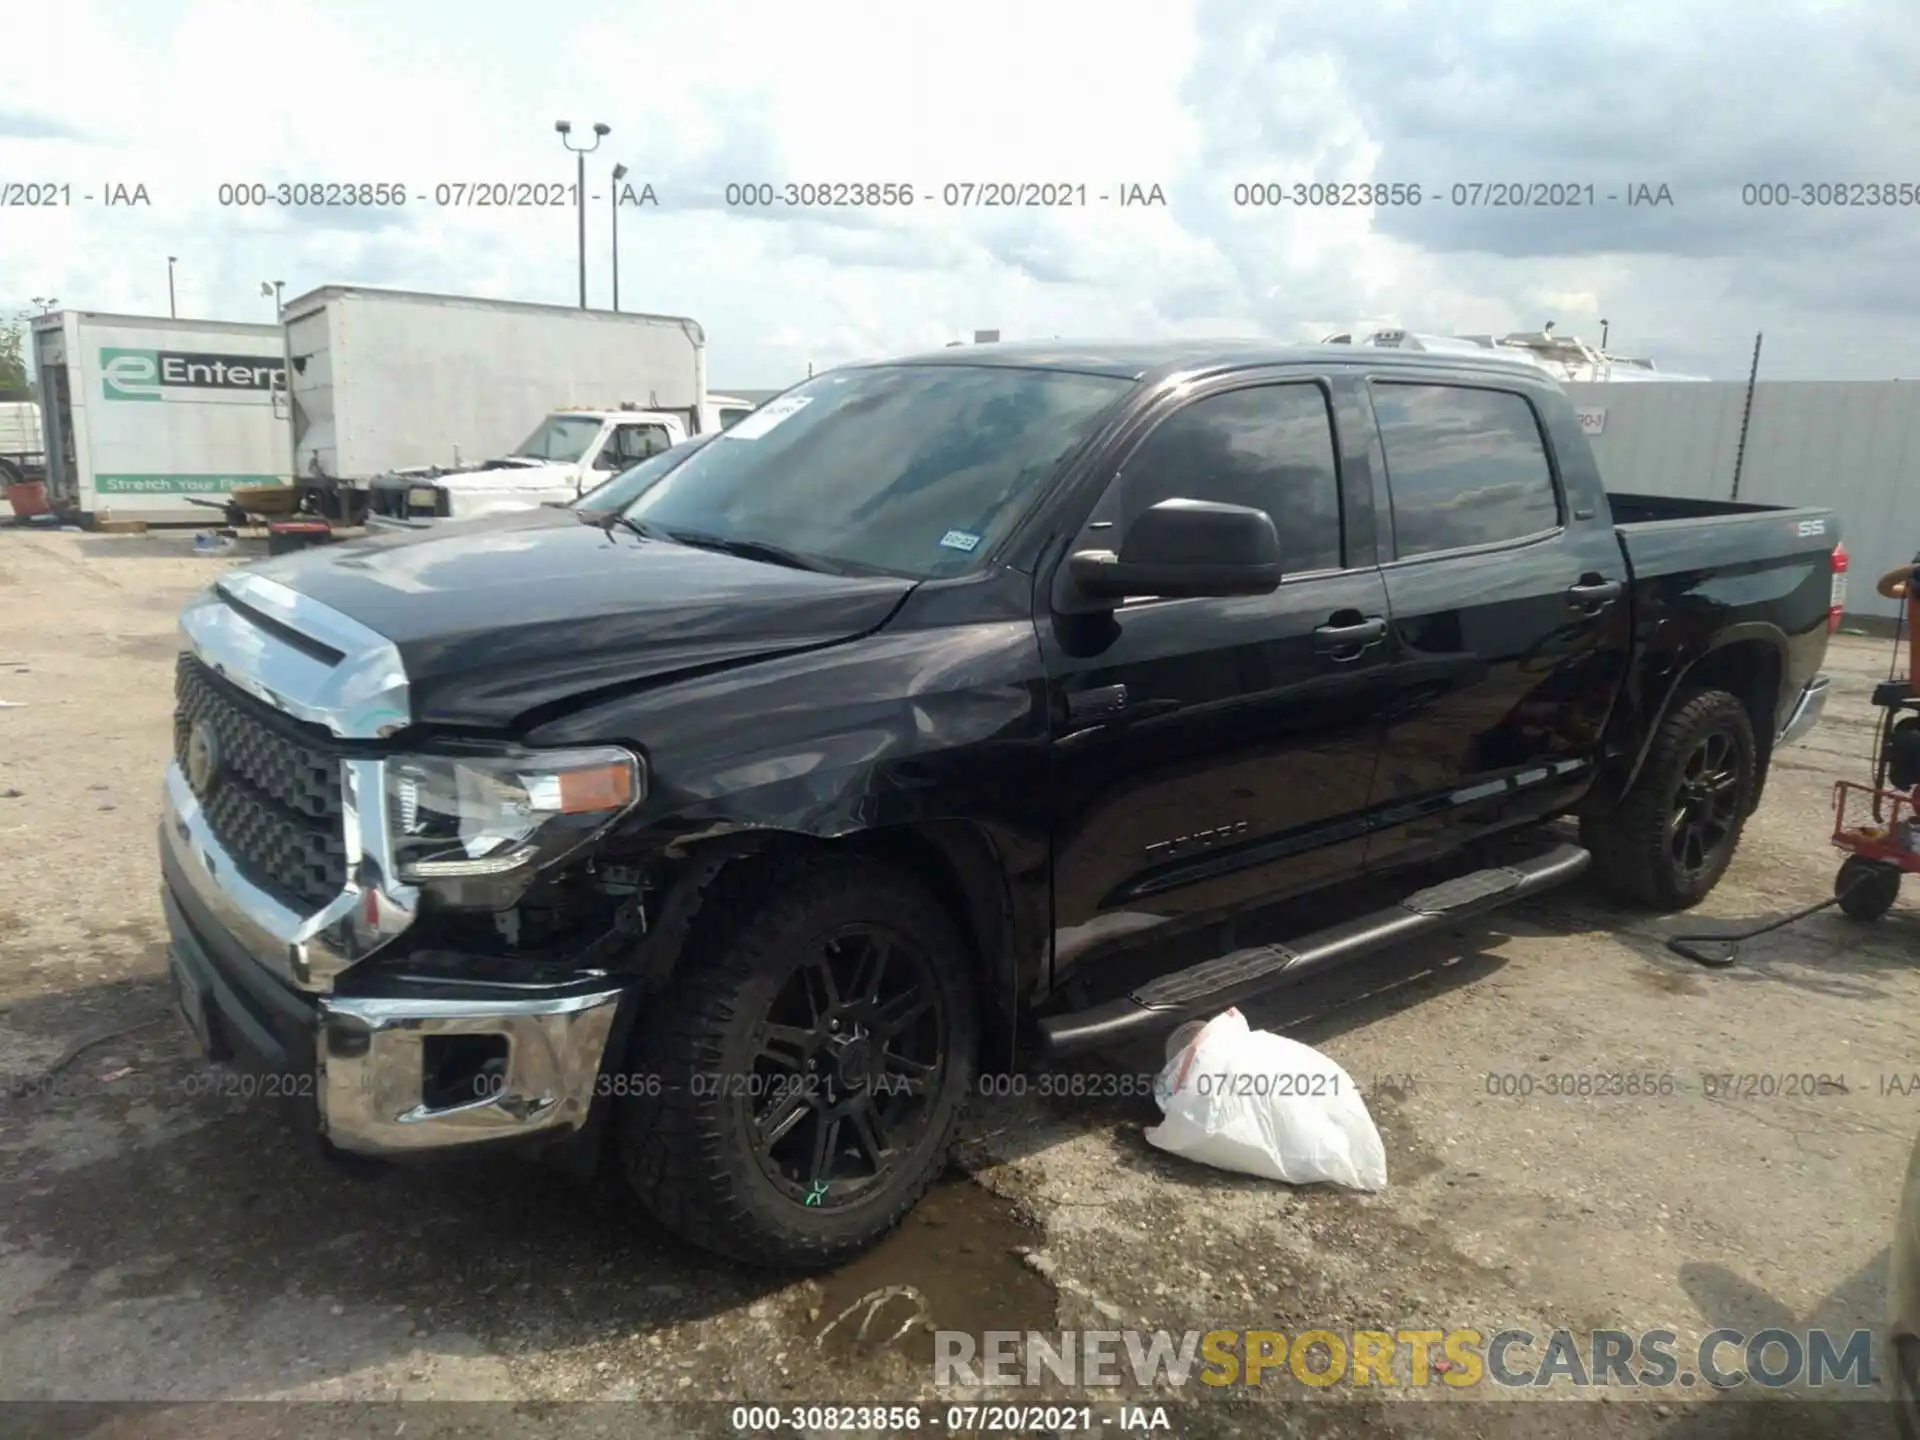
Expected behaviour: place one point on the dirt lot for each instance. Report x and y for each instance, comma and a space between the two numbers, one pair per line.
159, 1241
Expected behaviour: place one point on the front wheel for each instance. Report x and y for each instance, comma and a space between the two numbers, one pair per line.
799, 1089
1666, 845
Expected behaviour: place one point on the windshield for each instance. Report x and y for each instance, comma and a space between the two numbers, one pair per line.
909, 469
560, 437
623, 489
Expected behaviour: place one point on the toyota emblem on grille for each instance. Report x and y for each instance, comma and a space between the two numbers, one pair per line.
203, 759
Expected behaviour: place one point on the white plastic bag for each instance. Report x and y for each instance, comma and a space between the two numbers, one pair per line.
1261, 1104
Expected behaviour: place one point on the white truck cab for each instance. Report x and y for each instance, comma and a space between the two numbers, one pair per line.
569, 453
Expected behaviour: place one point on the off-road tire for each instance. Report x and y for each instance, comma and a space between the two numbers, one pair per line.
685, 1150
1633, 859
1866, 889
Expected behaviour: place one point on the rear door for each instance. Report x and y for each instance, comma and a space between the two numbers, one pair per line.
1210, 753
1508, 614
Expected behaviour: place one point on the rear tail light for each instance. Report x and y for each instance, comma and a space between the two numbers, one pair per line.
1837, 597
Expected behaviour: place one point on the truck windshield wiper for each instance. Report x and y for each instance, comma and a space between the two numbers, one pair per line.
638, 527
753, 550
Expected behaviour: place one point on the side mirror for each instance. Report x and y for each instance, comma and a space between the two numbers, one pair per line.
1184, 549
608, 460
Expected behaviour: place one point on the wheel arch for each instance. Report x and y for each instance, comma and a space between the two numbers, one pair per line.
1748, 661
957, 861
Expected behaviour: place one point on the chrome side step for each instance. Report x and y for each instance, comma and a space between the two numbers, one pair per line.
1212, 985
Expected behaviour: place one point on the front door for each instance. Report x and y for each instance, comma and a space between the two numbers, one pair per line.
1508, 620
1212, 753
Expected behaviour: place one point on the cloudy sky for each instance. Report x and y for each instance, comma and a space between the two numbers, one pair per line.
1196, 98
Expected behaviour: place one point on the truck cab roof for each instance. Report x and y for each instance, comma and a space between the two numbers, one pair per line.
588, 413
1158, 359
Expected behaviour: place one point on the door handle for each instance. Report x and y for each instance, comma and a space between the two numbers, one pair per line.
1352, 638
1589, 597
1101, 700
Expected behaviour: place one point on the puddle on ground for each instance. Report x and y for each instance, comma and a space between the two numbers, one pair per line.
954, 1264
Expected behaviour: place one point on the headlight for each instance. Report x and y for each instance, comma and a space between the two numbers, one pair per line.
478, 815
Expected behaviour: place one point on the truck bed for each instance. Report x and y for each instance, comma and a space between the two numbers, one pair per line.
1651, 509
1666, 537
1704, 570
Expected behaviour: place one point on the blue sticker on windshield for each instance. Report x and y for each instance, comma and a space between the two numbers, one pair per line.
959, 540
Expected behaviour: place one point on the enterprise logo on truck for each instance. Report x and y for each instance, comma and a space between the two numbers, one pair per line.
146, 374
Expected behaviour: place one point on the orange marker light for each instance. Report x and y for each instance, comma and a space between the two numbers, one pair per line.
605, 787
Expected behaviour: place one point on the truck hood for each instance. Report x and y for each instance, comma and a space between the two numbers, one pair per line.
502, 615
507, 471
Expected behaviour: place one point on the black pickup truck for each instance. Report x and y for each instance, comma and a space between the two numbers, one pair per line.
727, 836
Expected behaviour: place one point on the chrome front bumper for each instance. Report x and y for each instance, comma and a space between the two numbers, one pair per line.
1807, 711
373, 1069
370, 1055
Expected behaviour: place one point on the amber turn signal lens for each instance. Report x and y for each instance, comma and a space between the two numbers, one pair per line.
605, 787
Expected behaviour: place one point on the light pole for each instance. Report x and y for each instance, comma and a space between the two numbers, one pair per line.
619, 174
172, 312
46, 302
565, 129
271, 289
1603, 334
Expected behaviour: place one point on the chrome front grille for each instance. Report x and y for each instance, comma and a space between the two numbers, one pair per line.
271, 792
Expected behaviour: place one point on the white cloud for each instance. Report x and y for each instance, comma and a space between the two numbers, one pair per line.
1194, 96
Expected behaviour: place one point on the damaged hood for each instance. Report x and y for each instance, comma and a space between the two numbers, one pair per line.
497, 617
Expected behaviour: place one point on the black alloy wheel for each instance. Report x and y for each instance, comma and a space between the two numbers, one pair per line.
1707, 804
1669, 839
800, 1082
849, 1061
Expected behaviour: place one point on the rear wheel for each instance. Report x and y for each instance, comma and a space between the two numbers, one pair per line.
1866, 889
1666, 845
804, 1080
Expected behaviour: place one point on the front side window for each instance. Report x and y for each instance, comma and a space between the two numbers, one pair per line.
914, 470
1465, 466
560, 437
630, 444
1268, 447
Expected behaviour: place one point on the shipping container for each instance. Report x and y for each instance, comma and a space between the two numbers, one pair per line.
139, 413
387, 380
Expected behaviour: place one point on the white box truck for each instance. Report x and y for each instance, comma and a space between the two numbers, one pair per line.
142, 412
389, 380
23, 454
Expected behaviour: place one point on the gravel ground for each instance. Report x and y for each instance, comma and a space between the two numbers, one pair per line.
161, 1242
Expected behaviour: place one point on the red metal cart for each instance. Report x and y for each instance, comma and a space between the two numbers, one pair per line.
1876, 828
1874, 824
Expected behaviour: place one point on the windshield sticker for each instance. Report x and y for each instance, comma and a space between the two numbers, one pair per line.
959, 540
768, 416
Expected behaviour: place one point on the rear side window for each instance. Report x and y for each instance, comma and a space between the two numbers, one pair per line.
1465, 466
1269, 447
